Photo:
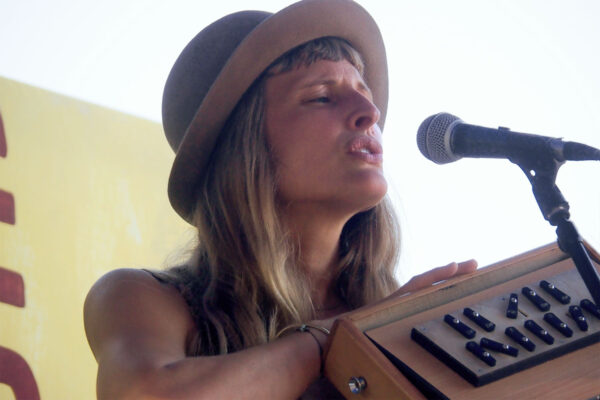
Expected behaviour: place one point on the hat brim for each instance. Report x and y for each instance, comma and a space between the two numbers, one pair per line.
291, 27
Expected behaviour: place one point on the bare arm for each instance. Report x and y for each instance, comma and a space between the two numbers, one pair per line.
137, 330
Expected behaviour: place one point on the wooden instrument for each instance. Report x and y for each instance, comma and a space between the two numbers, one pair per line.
428, 345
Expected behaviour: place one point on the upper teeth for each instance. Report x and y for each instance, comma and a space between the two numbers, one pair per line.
364, 151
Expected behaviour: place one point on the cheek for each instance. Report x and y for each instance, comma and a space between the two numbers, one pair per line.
277, 134
294, 145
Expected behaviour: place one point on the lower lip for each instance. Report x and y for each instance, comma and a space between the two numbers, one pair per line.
375, 159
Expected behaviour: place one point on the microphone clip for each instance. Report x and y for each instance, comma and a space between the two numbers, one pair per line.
541, 172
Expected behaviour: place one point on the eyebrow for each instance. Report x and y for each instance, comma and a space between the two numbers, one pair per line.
332, 82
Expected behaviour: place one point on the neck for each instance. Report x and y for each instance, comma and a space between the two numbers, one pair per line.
318, 237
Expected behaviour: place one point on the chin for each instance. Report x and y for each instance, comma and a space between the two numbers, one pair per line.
370, 195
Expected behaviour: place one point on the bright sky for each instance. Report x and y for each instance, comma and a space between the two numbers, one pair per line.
531, 65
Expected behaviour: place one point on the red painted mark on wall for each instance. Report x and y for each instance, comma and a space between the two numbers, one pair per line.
12, 288
14, 370
3, 147
15, 373
7, 207
7, 201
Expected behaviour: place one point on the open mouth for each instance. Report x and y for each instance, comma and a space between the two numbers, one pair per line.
367, 148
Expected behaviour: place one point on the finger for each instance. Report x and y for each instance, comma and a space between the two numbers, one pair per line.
439, 274
430, 277
466, 267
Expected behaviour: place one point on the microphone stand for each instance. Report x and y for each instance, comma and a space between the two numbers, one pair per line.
541, 170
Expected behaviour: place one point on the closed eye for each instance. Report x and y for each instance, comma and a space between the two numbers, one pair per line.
322, 99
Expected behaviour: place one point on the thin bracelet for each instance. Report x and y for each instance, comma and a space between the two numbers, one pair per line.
306, 328
316, 340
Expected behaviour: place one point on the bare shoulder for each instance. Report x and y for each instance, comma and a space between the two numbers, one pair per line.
128, 310
128, 281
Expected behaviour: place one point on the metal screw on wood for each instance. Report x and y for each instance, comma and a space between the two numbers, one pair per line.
357, 384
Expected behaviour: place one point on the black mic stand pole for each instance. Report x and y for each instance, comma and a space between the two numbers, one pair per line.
542, 172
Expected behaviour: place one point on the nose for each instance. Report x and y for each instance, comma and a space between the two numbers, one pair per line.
364, 113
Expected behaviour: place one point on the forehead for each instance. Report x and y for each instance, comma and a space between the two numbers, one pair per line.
322, 72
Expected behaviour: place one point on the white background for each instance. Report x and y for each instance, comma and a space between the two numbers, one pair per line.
531, 65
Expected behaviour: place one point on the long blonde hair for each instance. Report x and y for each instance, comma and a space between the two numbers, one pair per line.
243, 284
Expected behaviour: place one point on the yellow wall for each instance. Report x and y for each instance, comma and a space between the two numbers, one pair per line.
89, 190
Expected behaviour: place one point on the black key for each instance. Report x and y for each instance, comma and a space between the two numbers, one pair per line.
499, 347
460, 326
555, 292
512, 310
535, 298
558, 324
483, 355
579, 318
483, 323
518, 337
538, 331
590, 307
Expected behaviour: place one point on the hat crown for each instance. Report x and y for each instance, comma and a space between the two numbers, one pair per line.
197, 68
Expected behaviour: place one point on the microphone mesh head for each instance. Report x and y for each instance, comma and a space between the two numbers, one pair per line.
433, 138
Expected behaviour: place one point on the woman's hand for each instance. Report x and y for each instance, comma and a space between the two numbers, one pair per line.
418, 282
436, 275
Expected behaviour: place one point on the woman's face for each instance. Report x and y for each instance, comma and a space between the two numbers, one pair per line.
321, 127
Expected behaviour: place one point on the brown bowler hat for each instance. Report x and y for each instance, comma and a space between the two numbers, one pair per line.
223, 60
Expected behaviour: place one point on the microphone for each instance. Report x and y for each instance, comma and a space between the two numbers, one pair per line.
444, 138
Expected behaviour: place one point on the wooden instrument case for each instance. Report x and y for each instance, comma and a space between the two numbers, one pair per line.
351, 353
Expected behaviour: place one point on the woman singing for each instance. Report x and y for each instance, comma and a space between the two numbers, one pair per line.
276, 122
